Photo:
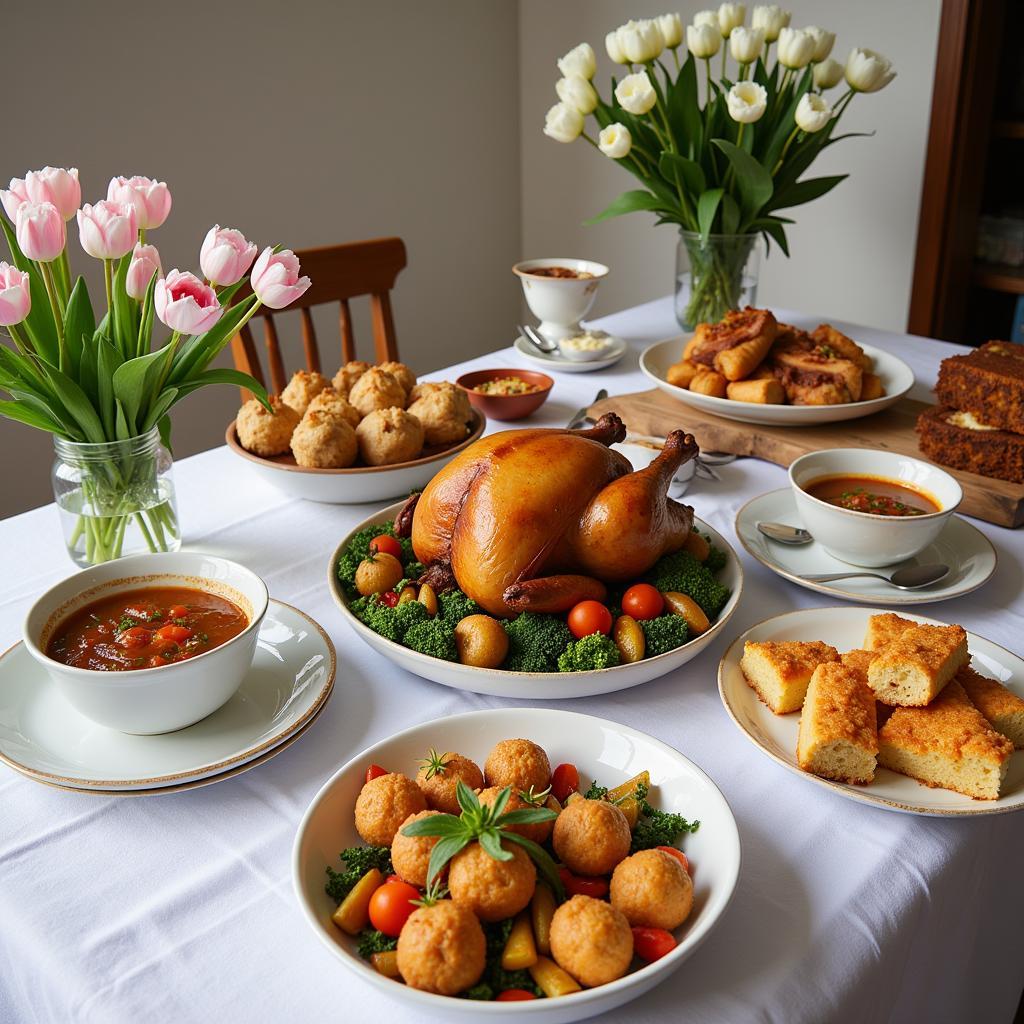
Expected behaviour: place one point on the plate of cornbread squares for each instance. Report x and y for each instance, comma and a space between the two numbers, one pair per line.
751, 368
903, 712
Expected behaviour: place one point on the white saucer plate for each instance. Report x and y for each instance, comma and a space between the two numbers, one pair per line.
45, 739
897, 379
844, 628
557, 362
963, 547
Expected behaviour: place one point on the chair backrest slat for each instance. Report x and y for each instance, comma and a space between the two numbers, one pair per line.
278, 378
309, 340
348, 338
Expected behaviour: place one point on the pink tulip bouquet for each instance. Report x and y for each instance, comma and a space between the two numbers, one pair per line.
103, 389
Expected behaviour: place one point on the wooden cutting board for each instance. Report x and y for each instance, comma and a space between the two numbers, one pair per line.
655, 413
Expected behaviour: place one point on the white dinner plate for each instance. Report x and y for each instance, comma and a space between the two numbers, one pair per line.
601, 750
557, 362
897, 379
844, 628
962, 546
44, 738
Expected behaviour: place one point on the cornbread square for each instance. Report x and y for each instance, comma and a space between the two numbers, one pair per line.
838, 736
946, 745
1003, 710
911, 670
779, 672
883, 629
858, 660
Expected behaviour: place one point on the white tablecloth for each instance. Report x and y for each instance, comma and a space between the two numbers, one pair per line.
180, 908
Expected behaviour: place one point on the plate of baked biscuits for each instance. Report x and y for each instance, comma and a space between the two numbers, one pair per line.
752, 368
907, 713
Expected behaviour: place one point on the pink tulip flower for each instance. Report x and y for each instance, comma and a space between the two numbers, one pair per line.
185, 304
275, 278
40, 231
151, 199
55, 185
226, 255
15, 295
145, 263
12, 198
107, 230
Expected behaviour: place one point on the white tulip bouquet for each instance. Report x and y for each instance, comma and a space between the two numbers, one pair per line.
722, 165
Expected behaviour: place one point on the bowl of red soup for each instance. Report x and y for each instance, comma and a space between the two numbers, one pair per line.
872, 508
151, 643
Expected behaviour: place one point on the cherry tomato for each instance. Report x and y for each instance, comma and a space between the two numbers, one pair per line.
388, 545
390, 907
389, 598
395, 878
175, 633
581, 885
178, 611
652, 943
513, 995
642, 601
375, 772
136, 636
679, 856
565, 779
589, 617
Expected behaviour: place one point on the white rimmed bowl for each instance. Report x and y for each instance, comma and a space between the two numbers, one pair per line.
604, 750
862, 538
537, 685
147, 701
560, 303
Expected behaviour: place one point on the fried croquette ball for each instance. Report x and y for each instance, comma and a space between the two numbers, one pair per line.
348, 375
401, 373
304, 386
653, 890
376, 389
265, 433
439, 776
444, 411
337, 405
388, 436
324, 441
538, 831
591, 837
492, 889
518, 763
410, 855
442, 949
591, 941
383, 805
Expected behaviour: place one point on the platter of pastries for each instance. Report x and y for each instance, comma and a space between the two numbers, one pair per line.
752, 368
903, 712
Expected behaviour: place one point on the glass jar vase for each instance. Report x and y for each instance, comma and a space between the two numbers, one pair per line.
115, 498
714, 275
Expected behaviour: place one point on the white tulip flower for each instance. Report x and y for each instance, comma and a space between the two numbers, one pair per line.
771, 19
615, 141
578, 93
868, 71
635, 93
730, 16
746, 44
641, 41
796, 48
823, 42
812, 112
580, 60
828, 73
747, 102
614, 47
671, 26
707, 18
563, 123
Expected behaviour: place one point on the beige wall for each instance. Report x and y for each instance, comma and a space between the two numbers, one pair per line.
305, 123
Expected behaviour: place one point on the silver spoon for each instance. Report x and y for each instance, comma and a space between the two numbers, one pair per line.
785, 534
910, 577
537, 340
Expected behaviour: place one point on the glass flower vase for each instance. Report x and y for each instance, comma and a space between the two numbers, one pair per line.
714, 275
115, 498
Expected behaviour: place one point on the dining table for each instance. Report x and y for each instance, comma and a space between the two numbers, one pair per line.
179, 907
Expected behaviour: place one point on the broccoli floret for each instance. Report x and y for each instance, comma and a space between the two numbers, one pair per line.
658, 828
681, 572
715, 562
359, 548
589, 653
454, 605
535, 641
357, 860
392, 623
665, 633
372, 941
433, 637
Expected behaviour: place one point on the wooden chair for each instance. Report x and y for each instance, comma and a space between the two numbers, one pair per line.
338, 273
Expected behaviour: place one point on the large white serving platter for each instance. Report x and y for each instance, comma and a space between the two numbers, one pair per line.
844, 628
601, 750
897, 379
537, 685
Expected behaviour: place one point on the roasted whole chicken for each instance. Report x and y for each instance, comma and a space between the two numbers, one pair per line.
537, 520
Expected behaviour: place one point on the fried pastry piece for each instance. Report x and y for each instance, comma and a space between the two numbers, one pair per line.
912, 670
709, 382
778, 672
1003, 709
816, 376
884, 628
680, 374
736, 345
871, 387
858, 661
763, 391
825, 336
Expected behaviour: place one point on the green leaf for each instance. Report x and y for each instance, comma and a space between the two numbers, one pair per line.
134, 380
500, 802
199, 351
79, 327
804, 191
730, 215
39, 325
689, 171
544, 863
224, 375
778, 232
164, 427
443, 851
629, 202
108, 359
436, 825
159, 408
144, 341
707, 207
77, 403
21, 412
754, 182
125, 311
491, 843
526, 816
684, 109
121, 429
467, 798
